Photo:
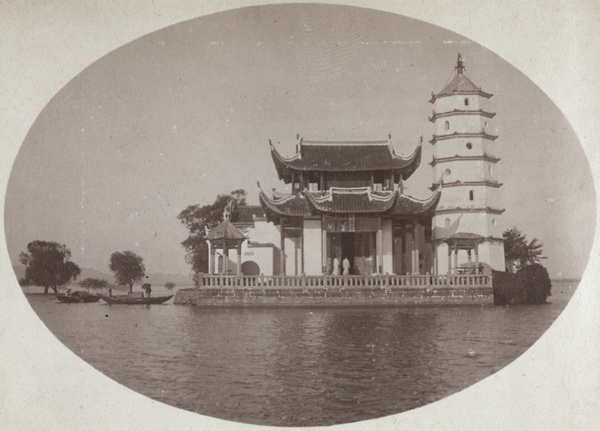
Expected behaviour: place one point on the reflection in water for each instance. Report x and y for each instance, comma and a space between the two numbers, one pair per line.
297, 367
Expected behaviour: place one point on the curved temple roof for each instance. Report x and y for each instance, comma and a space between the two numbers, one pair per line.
359, 200
347, 156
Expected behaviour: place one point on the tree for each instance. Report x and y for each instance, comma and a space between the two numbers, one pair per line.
518, 252
48, 264
169, 285
93, 283
200, 218
127, 267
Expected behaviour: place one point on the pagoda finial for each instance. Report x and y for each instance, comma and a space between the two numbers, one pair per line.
459, 65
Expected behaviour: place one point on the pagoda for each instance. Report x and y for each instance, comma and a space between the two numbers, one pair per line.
466, 227
347, 200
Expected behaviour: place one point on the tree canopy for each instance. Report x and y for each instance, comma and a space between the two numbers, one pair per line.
200, 218
48, 264
169, 285
518, 252
93, 283
127, 267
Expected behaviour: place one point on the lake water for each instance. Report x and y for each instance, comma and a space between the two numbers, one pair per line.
298, 367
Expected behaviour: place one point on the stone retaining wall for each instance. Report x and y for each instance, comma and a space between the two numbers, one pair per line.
334, 297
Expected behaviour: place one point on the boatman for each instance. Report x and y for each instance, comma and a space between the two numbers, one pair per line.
147, 288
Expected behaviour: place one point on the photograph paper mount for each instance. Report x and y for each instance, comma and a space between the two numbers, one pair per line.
554, 385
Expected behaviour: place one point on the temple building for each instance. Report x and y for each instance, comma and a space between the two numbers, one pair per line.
346, 200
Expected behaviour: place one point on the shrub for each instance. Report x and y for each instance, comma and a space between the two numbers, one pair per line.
535, 283
530, 285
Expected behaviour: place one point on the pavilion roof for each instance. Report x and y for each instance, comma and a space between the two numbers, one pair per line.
358, 200
345, 156
225, 231
464, 240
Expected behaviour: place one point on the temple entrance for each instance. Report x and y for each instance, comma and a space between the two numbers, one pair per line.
358, 247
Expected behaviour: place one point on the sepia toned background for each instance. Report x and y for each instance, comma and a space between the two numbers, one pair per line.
47, 45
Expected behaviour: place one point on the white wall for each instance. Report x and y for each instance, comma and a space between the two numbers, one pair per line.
312, 247
262, 256
388, 243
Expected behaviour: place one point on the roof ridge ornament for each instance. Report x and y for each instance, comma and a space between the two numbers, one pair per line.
459, 65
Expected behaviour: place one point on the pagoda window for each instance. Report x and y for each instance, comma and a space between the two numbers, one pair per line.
447, 223
469, 145
471, 195
466, 101
447, 125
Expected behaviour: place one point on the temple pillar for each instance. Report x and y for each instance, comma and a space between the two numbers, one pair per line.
409, 247
416, 269
449, 259
282, 248
477, 257
225, 258
379, 248
239, 259
212, 256
456, 258
324, 251
469, 257
302, 250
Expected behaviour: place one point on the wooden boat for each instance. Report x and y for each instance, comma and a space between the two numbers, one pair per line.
134, 299
67, 298
76, 297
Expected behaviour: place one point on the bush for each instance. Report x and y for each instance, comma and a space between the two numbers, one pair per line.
535, 281
530, 285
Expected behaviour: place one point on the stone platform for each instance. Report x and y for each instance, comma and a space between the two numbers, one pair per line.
328, 291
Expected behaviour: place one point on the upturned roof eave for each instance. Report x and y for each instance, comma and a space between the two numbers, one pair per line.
437, 115
462, 135
481, 93
404, 166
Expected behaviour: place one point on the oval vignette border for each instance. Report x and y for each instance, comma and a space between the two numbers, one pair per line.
576, 312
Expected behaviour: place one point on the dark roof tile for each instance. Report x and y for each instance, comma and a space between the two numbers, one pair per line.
351, 156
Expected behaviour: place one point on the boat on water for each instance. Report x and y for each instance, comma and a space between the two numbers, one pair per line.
77, 297
135, 299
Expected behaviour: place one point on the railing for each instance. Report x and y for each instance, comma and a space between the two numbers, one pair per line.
312, 281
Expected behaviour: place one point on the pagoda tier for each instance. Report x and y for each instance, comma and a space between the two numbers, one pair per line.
358, 200
459, 183
345, 157
484, 157
481, 134
455, 112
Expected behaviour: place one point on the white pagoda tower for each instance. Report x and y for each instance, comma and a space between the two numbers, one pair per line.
467, 233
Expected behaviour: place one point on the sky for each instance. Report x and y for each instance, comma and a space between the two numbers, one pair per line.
185, 113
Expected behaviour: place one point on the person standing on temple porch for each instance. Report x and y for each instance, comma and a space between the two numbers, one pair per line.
346, 265
336, 266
